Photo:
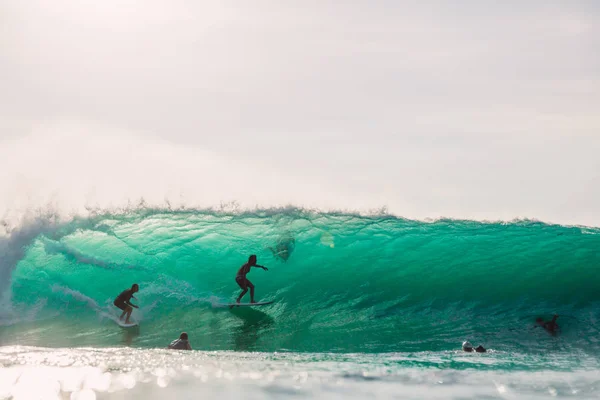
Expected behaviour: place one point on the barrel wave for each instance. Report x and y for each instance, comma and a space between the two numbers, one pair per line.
341, 282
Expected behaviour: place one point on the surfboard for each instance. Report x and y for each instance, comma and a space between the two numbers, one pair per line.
122, 324
260, 303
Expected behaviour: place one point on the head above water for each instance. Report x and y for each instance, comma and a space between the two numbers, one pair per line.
183, 336
252, 259
135, 287
467, 346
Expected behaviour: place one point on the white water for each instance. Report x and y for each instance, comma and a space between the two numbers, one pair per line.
118, 373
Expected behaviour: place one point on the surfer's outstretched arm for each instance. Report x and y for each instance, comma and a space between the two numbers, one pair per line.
260, 266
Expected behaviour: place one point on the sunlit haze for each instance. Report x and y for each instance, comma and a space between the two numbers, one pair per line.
472, 109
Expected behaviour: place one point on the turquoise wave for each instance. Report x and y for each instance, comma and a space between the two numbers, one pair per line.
341, 282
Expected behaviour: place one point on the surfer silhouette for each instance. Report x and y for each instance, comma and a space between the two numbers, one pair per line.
550, 326
244, 283
123, 301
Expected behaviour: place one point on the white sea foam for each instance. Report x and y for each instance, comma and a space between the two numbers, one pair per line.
89, 373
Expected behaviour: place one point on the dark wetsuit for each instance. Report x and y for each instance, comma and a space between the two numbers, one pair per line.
123, 299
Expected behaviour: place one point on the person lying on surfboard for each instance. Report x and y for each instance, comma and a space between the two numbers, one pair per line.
123, 301
244, 283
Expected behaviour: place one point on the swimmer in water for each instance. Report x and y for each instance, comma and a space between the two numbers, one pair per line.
244, 283
550, 326
468, 347
182, 343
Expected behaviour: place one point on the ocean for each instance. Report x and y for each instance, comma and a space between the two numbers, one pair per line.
365, 306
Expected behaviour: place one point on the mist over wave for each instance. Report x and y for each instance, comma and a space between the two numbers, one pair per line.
73, 166
74, 169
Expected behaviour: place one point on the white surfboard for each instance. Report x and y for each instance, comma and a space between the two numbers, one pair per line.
260, 303
132, 323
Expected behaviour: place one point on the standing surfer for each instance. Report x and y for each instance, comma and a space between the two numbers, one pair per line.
244, 283
123, 301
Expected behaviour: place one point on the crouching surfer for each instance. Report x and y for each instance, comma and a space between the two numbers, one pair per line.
123, 302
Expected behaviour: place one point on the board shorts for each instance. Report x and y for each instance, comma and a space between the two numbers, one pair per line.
242, 281
121, 305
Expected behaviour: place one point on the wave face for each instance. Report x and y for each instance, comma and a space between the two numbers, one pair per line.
341, 282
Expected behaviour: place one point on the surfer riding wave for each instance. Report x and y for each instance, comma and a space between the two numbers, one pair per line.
243, 282
123, 302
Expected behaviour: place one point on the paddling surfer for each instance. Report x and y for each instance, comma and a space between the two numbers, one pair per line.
550, 326
244, 283
123, 301
468, 347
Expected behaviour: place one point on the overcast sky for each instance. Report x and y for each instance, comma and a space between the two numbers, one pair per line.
466, 109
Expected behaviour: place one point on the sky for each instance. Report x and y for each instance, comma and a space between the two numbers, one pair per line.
464, 109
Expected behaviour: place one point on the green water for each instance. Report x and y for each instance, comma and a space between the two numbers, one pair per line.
343, 283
